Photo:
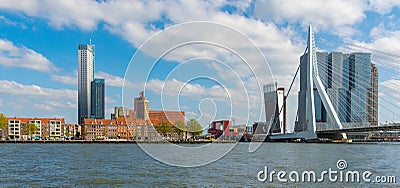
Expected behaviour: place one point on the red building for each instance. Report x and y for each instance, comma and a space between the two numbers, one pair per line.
158, 116
218, 128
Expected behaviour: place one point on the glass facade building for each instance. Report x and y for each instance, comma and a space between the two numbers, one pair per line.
85, 77
350, 81
97, 98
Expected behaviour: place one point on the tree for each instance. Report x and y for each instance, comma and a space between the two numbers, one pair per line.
3, 124
32, 128
104, 133
179, 128
67, 133
85, 133
164, 128
194, 127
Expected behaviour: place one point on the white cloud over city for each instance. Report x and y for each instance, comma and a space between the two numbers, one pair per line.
21, 56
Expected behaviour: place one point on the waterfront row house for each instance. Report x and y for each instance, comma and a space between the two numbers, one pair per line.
47, 128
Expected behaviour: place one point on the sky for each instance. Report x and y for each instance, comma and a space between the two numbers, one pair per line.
39, 48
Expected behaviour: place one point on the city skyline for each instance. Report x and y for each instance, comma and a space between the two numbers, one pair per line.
33, 42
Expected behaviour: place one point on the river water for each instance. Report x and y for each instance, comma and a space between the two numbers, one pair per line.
105, 165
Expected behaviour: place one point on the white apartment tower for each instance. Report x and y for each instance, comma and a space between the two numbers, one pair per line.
85, 77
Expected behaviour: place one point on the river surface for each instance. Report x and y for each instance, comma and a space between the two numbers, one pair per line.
126, 165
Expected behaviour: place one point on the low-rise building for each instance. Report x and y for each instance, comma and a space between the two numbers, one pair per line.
47, 128
72, 131
159, 116
218, 128
121, 128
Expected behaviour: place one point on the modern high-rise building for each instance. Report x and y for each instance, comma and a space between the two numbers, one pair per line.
141, 107
372, 105
97, 98
351, 82
275, 108
85, 78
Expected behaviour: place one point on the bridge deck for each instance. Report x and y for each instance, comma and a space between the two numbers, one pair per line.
362, 129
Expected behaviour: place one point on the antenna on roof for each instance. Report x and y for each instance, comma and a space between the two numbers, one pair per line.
90, 41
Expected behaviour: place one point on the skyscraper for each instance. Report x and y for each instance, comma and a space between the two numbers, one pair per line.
372, 106
141, 106
85, 77
275, 108
351, 82
97, 98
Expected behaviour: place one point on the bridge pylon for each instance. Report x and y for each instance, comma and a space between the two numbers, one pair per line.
306, 107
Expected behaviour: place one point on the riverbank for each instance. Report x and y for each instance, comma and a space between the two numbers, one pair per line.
109, 142
179, 142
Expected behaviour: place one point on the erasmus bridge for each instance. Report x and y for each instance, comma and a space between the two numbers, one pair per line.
338, 95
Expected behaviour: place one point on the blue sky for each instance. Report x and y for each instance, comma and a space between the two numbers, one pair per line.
39, 39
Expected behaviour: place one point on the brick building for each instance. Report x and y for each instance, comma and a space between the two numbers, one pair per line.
48, 128
158, 116
121, 128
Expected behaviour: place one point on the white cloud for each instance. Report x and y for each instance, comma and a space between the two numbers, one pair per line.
84, 12
110, 100
133, 21
383, 6
70, 80
389, 43
35, 101
111, 80
14, 88
54, 105
1, 103
14, 56
326, 14
378, 31
173, 87
385, 46
128, 19
114, 81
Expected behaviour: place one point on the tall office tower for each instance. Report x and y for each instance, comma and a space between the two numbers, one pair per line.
141, 107
275, 108
359, 84
330, 70
85, 77
351, 82
372, 106
97, 98
300, 124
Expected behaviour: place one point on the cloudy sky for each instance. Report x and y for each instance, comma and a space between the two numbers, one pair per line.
39, 40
